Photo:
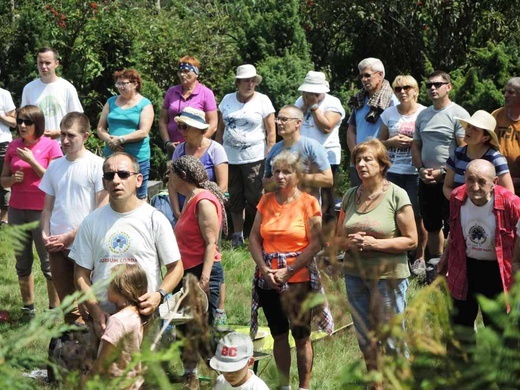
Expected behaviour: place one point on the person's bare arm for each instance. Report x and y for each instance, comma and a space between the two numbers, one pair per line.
212, 120
209, 227
351, 137
9, 118
449, 183
174, 197
405, 242
8, 179
149, 302
221, 176
219, 135
102, 127
326, 121
506, 181
319, 179
270, 129
83, 284
256, 249
145, 125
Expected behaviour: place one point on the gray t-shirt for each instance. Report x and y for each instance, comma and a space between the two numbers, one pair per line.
438, 131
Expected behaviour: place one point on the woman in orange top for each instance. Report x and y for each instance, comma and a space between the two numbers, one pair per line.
284, 240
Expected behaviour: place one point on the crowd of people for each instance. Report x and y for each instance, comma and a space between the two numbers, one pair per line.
418, 175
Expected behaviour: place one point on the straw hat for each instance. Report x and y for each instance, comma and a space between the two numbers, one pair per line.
246, 72
315, 82
485, 121
192, 117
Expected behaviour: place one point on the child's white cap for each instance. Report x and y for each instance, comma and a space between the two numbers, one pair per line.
233, 352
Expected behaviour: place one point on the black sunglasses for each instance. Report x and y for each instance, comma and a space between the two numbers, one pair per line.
123, 175
405, 88
181, 126
28, 122
437, 85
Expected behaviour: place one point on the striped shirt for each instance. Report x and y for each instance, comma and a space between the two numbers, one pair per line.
460, 160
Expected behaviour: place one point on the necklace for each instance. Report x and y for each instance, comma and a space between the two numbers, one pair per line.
370, 197
289, 199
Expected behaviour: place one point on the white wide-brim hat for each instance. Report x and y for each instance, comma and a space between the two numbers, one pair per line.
485, 121
192, 117
248, 71
315, 82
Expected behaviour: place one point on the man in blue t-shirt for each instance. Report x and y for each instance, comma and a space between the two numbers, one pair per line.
367, 106
317, 172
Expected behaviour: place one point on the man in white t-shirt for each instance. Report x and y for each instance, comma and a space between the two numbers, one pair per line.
127, 230
7, 120
73, 188
322, 117
54, 95
484, 225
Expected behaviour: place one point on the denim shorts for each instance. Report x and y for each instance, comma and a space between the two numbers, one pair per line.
375, 302
144, 168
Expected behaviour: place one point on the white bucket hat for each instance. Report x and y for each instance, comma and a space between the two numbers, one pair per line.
315, 82
192, 117
246, 72
485, 121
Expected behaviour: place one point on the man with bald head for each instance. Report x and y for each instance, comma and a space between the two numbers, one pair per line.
483, 230
317, 171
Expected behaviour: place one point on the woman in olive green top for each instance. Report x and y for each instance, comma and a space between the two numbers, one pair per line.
376, 228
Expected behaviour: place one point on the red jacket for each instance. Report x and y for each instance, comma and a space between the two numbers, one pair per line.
507, 213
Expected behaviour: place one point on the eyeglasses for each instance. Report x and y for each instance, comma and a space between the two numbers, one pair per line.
28, 122
365, 75
122, 83
123, 175
181, 126
437, 85
283, 119
405, 88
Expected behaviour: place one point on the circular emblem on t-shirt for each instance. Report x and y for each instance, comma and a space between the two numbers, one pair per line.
477, 235
119, 242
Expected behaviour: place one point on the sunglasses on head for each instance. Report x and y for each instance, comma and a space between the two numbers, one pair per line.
405, 88
122, 175
437, 85
28, 122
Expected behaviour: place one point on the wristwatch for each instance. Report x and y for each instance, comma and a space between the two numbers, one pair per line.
163, 293
443, 171
314, 107
290, 270
121, 140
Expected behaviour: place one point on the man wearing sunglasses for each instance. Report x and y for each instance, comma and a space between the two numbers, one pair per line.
127, 230
437, 134
54, 95
72, 182
367, 105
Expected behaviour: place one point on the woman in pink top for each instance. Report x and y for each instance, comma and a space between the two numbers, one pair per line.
197, 232
189, 93
26, 160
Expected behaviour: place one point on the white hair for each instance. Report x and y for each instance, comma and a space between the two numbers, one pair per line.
373, 63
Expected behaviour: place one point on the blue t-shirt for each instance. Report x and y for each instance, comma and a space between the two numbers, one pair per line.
314, 155
123, 121
364, 129
459, 161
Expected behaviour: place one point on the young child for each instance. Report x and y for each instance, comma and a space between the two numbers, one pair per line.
124, 332
233, 358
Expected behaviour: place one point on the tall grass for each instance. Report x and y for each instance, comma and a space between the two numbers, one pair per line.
338, 362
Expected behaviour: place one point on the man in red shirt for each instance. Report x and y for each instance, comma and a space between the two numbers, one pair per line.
483, 229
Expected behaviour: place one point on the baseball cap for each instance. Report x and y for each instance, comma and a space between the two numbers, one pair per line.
233, 352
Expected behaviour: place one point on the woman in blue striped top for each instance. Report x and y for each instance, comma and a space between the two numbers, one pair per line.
481, 143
